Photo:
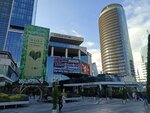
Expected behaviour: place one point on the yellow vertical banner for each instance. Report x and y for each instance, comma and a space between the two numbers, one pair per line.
34, 52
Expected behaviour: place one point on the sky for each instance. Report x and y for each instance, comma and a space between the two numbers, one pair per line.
80, 18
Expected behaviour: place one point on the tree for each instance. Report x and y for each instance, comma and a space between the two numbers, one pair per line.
106, 91
55, 95
124, 93
148, 70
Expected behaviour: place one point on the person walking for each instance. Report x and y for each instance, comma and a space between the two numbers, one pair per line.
134, 96
99, 95
145, 97
60, 102
124, 95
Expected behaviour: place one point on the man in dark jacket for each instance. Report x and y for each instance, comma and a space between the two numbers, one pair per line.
60, 102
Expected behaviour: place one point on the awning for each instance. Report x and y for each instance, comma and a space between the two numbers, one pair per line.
6, 78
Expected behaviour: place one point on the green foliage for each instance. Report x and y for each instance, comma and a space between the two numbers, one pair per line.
148, 71
106, 92
64, 94
117, 93
18, 97
148, 94
70, 95
4, 97
45, 83
15, 98
55, 95
124, 93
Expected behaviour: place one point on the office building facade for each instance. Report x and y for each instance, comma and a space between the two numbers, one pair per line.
143, 52
5, 12
114, 42
23, 13
8, 69
94, 69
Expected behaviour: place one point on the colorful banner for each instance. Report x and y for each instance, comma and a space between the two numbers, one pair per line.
65, 65
85, 69
34, 52
68, 65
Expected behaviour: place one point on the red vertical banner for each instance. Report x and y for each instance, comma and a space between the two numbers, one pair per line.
85, 68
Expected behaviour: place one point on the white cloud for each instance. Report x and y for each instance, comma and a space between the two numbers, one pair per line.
88, 44
76, 33
96, 57
138, 20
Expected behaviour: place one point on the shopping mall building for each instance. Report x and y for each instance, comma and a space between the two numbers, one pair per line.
48, 56
67, 58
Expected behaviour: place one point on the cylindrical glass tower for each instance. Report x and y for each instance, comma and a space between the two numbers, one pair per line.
114, 41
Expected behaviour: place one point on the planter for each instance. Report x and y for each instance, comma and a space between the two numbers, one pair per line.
54, 110
4, 104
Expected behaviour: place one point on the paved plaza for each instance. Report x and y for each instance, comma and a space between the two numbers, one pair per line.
86, 106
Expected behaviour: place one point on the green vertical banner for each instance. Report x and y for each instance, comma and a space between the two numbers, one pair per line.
34, 52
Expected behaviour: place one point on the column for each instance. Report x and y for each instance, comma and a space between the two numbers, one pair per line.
110, 92
66, 52
52, 51
79, 54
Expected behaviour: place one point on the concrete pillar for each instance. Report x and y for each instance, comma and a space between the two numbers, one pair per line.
79, 54
52, 51
66, 52
110, 92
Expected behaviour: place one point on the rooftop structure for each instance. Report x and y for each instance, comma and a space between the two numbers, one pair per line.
56, 37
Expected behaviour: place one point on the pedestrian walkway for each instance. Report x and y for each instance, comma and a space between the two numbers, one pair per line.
106, 106
88, 105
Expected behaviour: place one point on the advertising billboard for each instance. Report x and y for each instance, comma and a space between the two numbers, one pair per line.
66, 65
85, 68
34, 52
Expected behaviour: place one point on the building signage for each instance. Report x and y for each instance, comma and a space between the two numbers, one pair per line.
34, 52
64, 65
